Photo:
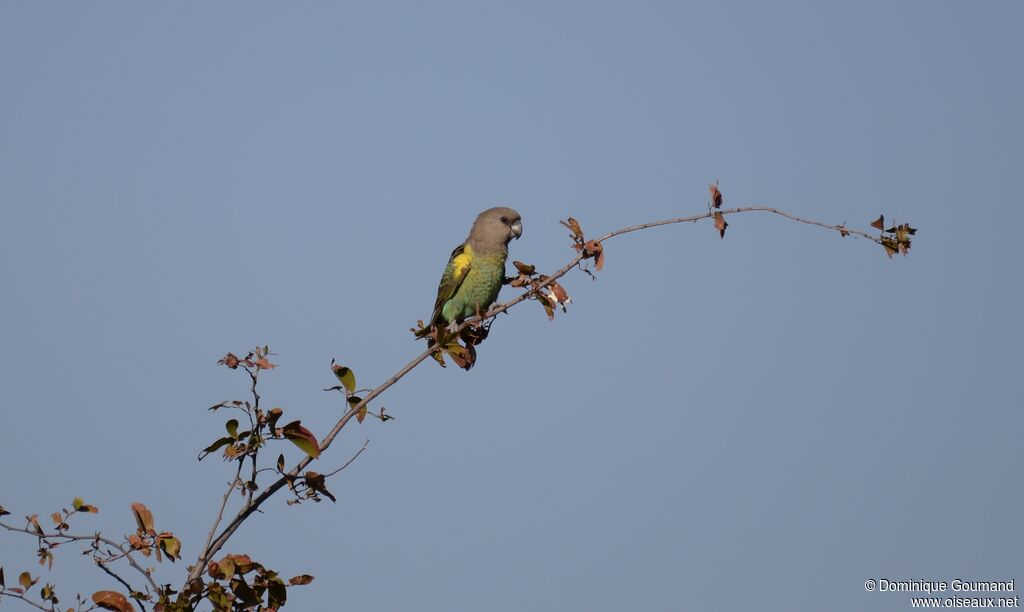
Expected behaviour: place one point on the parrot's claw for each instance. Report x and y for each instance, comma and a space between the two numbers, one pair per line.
453, 327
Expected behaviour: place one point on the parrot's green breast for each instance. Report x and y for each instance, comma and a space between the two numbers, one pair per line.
480, 287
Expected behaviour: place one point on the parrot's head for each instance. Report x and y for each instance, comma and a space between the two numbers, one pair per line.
497, 225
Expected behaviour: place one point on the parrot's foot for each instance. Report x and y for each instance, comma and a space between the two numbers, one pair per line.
453, 327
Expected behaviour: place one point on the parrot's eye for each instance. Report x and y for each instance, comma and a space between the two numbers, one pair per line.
504, 219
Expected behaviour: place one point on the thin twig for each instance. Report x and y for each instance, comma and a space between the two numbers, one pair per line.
349, 462
69, 537
16, 595
223, 505
115, 576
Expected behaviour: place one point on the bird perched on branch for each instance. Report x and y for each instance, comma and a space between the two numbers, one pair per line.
476, 269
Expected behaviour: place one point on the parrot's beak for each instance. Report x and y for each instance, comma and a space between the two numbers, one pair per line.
517, 229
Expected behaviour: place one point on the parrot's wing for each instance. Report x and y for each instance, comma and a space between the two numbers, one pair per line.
458, 267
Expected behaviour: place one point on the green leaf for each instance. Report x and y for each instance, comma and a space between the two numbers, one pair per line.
232, 427
346, 376
302, 437
171, 546
216, 445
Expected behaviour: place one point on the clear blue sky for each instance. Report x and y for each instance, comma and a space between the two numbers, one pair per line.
761, 422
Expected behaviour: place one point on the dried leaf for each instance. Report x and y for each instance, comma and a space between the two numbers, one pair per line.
574, 226
526, 269
26, 581
301, 437
112, 600
594, 249
229, 360
879, 223
344, 375
318, 482
891, 246
720, 224
300, 580
243, 564
548, 308
716, 195
272, 417
263, 364
144, 518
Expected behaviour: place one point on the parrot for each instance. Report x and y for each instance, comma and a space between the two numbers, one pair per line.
476, 268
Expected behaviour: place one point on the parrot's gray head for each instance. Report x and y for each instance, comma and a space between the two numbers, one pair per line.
496, 226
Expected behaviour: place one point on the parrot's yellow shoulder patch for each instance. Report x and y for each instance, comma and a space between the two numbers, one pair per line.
460, 263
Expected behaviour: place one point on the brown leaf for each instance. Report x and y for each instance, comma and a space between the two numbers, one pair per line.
526, 269
263, 364
112, 600
230, 360
879, 223
318, 482
463, 356
596, 250
144, 518
720, 224
716, 195
891, 246
300, 580
26, 580
574, 226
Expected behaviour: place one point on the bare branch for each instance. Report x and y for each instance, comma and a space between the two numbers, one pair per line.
253, 503
95, 537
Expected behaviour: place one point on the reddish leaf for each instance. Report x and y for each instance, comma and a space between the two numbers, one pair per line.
301, 437
879, 223
716, 195
112, 600
230, 360
144, 518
